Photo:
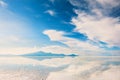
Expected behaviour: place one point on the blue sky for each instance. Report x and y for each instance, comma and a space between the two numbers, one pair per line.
84, 27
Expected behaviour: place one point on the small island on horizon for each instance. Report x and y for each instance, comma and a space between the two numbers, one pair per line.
40, 53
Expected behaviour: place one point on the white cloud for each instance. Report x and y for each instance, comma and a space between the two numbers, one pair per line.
105, 29
73, 44
108, 3
75, 3
3, 4
104, 6
99, 27
59, 36
50, 12
58, 49
54, 35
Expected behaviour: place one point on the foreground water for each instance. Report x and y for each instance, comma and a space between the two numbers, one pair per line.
60, 68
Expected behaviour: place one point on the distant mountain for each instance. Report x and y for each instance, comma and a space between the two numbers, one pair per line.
40, 53
72, 55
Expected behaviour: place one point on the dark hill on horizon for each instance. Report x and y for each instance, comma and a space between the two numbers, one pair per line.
40, 53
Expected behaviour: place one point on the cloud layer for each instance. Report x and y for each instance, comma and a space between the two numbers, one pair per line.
96, 24
103, 29
74, 45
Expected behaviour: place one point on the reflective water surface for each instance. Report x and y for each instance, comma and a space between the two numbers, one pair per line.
60, 68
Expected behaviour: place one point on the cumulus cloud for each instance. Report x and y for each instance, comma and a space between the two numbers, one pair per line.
105, 6
105, 29
72, 43
110, 3
95, 25
98, 26
75, 3
59, 36
50, 12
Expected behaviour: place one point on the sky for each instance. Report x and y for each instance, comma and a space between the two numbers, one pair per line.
83, 27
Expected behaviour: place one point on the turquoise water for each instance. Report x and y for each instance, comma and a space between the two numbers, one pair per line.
60, 68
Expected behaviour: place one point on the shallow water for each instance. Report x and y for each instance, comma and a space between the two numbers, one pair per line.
60, 68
